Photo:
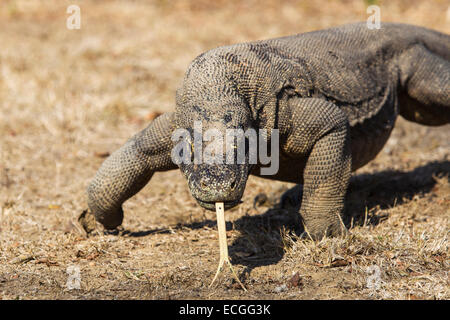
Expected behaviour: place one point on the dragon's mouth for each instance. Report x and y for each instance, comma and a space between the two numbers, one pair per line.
211, 205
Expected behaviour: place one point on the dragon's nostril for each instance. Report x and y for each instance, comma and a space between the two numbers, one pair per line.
203, 184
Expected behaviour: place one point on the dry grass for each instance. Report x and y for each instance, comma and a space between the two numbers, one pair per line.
67, 97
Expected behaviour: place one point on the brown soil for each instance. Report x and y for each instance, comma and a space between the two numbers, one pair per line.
68, 98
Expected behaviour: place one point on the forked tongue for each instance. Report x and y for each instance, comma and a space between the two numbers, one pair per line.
220, 212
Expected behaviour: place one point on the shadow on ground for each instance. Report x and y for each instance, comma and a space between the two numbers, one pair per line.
261, 241
262, 234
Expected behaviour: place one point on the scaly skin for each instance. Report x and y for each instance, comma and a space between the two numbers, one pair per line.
333, 94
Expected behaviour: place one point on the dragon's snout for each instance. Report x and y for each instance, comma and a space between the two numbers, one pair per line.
216, 183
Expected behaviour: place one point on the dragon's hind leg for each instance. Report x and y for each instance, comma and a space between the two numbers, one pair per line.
425, 80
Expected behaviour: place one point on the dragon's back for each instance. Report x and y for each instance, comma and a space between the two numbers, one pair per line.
352, 66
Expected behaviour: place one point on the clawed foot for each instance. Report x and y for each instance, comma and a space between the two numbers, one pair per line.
87, 221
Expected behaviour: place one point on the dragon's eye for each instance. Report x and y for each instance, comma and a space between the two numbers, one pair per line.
227, 118
185, 153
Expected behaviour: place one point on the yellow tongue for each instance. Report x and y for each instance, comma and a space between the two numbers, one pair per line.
220, 212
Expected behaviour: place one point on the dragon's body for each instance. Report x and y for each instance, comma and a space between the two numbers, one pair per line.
334, 96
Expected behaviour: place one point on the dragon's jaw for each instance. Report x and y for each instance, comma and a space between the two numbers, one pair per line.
213, 205
210, 184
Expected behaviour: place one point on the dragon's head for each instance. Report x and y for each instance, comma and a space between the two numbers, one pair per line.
213, 148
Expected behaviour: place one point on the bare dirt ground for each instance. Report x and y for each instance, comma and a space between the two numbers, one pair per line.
70, 97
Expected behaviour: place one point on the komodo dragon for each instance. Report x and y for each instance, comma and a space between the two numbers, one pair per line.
333, 94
